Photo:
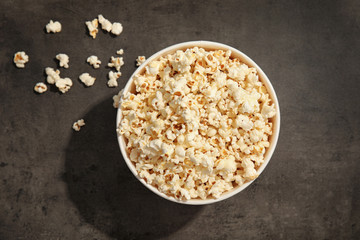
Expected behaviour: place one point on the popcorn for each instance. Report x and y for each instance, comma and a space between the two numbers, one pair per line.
94, 61
53, 27
120, 51
113, 76
87, 79
116, 62
52, 75
117, 98
40, 87
197, 123
92, 27
105, 24
63, 84
140, 60
20, 58
63, 60
116, 28
78, 124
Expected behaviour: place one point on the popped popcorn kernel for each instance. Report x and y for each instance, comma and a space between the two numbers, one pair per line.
120, 52
87, 79
140, 60
20, 59
116, 62
63, 84
92, 27
78, 124
197, 123
113, 76
105, 23
63, 60
116, 28
40, 87
94, 61
53, 27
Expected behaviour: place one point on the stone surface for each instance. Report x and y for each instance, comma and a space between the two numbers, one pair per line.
59, 184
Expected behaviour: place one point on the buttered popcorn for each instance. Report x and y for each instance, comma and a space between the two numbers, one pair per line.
198, 123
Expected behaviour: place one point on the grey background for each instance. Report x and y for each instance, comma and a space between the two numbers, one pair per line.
59, 184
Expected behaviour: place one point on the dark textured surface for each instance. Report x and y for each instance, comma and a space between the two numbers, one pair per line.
60, 184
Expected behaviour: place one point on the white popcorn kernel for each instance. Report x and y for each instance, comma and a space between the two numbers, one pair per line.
211, 132
20, 58
87, 79
40, 87
249, 168
63, 60
227, 164
116, 28
113, 76
140, 60
244, 122
53, 27
116, 63
268, 111
92, 27
170, 135
256, 136
117, 98
105, 24
52, 75
180, 151
94, 61
78, 124
64, 84
120, 51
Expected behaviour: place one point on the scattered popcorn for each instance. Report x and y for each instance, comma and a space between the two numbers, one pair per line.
40, 87
116, 28
105, 24
52, 75
120, 51
53, 27
87, 79
197, 123
116, 98
92, 27
140, 60
94, 61
116, 63
63, 60
20, 58
113, 76
78, 124
63, 84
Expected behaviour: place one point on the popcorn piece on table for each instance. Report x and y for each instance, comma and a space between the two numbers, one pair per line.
52, 75
64, 84
53, 27
113, 76
87, 79
116, 63
94, 61
117, 98
92, 27
20, 58
40, 87
78, 124
140, 60
120, 51
116, 28
105, 24
63, 60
